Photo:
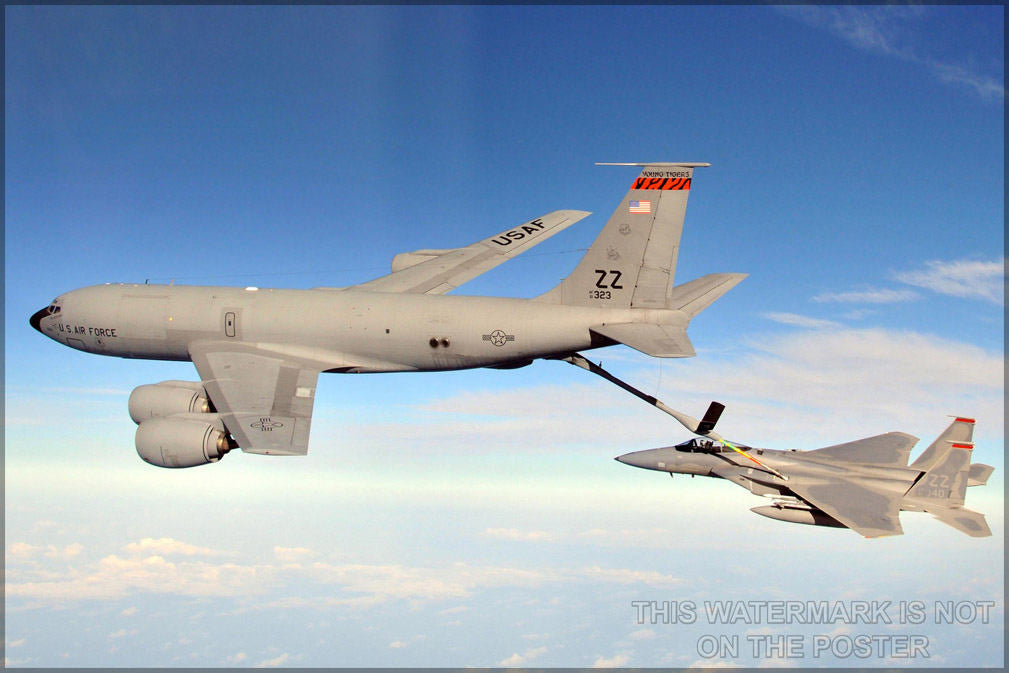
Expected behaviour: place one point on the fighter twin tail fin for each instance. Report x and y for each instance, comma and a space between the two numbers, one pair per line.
946, 473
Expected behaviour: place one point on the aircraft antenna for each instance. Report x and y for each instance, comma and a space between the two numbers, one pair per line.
658, 164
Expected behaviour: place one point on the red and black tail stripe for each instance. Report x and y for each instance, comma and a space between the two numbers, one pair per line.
662, 183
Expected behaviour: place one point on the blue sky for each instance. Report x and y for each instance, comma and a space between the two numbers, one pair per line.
476, 518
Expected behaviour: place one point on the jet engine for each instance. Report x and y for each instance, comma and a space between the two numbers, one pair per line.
167, 398
180, 441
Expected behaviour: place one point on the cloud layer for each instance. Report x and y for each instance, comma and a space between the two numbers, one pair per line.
970, 279
893, 31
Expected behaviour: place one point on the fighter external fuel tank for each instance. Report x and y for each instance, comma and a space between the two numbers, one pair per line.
813, 517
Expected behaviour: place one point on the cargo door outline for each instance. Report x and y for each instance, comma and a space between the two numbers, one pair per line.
230, 322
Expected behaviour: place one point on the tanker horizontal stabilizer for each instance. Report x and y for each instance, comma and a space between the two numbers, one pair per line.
693, 297
660, 341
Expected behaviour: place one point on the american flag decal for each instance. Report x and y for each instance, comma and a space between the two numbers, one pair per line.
661, 183
640, 207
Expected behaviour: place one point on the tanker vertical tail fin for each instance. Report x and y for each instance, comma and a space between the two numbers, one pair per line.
632, 262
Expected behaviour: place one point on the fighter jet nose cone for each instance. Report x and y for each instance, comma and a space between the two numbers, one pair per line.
36, 319
636, 459
652, 459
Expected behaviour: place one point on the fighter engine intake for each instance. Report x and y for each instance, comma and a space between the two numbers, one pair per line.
180, 441
158, 400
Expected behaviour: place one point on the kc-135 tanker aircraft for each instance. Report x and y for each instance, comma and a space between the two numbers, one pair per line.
259, 351
862, 485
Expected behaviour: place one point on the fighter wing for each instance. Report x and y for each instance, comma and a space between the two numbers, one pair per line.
440, 271
264, 397
867, 511
893, 448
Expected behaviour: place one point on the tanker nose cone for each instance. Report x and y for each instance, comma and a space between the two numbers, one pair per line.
36, 319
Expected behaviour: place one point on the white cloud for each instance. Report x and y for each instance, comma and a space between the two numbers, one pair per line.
800, 320
616, 661
122, 633
652, 538
642, 634
276, 661
626, 576
831, 384
870, 296
237, 658
69, 551
517, 659
166, 546
419, 583
292, 554
892, 31
397, 644
969, 279
15, 643
360, 585
21, 550
858, 314
714, 663
454, 610
518, 535
129, 612
116, 577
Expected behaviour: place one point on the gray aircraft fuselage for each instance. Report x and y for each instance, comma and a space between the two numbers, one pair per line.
258, 352
723, 463
344, 330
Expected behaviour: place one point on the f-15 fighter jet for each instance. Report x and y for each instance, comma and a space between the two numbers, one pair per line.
259, 352
862, 485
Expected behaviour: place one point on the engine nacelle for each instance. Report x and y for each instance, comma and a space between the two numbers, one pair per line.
180, 441
167, 398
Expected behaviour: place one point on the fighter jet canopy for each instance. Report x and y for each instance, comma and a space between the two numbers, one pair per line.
706, 445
